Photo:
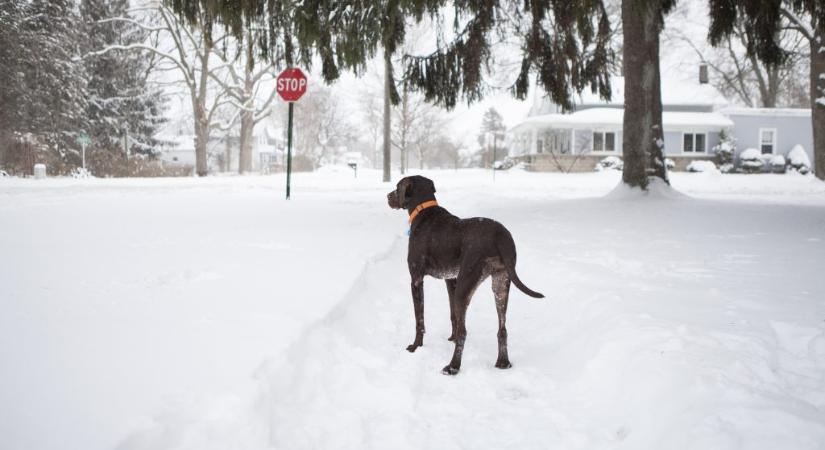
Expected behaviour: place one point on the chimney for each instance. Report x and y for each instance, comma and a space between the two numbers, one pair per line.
703, 74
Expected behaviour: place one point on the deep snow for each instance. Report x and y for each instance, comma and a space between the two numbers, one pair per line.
185, 313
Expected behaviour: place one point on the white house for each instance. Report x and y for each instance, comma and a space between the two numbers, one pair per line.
694, 114
267, 150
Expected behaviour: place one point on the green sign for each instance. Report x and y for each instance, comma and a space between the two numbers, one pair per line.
83, 139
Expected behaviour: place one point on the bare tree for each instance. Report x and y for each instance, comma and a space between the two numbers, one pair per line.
189, 56
417, 125
739, 75
321, 127
243, 89
371, 108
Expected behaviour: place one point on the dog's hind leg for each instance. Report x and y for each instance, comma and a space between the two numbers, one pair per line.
466, 285
501, 290
451, 294
417, 286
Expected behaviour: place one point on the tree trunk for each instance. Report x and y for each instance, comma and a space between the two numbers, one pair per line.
818, 100
245, 157
227, 159
201, 139
387, 110
642, 141
248, 114
201, 119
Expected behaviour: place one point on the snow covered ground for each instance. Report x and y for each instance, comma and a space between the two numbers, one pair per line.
210, 313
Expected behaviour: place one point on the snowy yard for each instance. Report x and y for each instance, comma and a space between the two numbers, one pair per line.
212, 314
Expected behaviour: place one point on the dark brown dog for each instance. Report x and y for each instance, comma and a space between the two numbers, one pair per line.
463, 252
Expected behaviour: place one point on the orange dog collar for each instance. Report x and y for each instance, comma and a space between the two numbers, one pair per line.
421, 207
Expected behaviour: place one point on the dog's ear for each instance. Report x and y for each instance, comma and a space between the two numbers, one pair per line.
430, 185
403, 192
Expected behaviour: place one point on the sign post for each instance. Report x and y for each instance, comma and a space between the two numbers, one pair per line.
290, 85
83, 140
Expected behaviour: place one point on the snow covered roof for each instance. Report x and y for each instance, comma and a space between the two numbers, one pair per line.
674, 92
774, 112
612, 117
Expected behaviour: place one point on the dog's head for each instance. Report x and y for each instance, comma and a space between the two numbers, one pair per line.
411, 191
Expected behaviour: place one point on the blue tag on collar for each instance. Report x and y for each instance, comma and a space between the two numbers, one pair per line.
408, 231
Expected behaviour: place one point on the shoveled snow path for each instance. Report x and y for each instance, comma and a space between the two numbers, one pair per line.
662, 329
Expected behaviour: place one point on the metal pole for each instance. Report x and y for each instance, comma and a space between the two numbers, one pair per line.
126, 149
289, 151
494, 157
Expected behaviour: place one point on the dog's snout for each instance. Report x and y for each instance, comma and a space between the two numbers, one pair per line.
392, 200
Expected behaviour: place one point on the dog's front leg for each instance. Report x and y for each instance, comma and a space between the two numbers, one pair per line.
418, 304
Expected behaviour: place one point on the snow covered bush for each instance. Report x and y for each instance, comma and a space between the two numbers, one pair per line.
80, 172
610, 162
751, 161
701, 166
724, 151
505, 164
777, 164
798, 160
669, 164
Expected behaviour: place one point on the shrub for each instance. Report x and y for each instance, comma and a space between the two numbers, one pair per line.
750, 160
798, 160
725, 150
669, 164
777, 164
610, 162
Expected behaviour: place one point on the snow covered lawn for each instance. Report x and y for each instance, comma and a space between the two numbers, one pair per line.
199, 314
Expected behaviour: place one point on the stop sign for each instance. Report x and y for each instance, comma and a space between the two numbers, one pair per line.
291, 84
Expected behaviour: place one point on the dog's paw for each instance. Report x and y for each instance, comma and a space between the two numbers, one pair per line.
412, 347
503, 364
449, 370
451, 338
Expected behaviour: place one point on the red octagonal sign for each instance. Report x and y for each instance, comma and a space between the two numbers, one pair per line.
291, 84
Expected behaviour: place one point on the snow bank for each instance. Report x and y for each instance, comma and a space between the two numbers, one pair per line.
657, 189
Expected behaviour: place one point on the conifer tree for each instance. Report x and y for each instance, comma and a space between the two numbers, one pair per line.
47, 91
11, 49
124, 111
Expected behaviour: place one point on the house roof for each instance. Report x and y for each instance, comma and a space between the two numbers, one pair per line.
674, 92
613, 118
773, 112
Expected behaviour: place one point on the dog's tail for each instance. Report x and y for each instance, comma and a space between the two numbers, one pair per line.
507, 253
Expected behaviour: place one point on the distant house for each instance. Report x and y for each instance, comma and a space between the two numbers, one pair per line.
694, 114
223, 150
177, 149
772, 131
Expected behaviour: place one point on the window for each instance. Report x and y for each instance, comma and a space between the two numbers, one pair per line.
604, 141
694, 143
767, 140
538, 146
556, 142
